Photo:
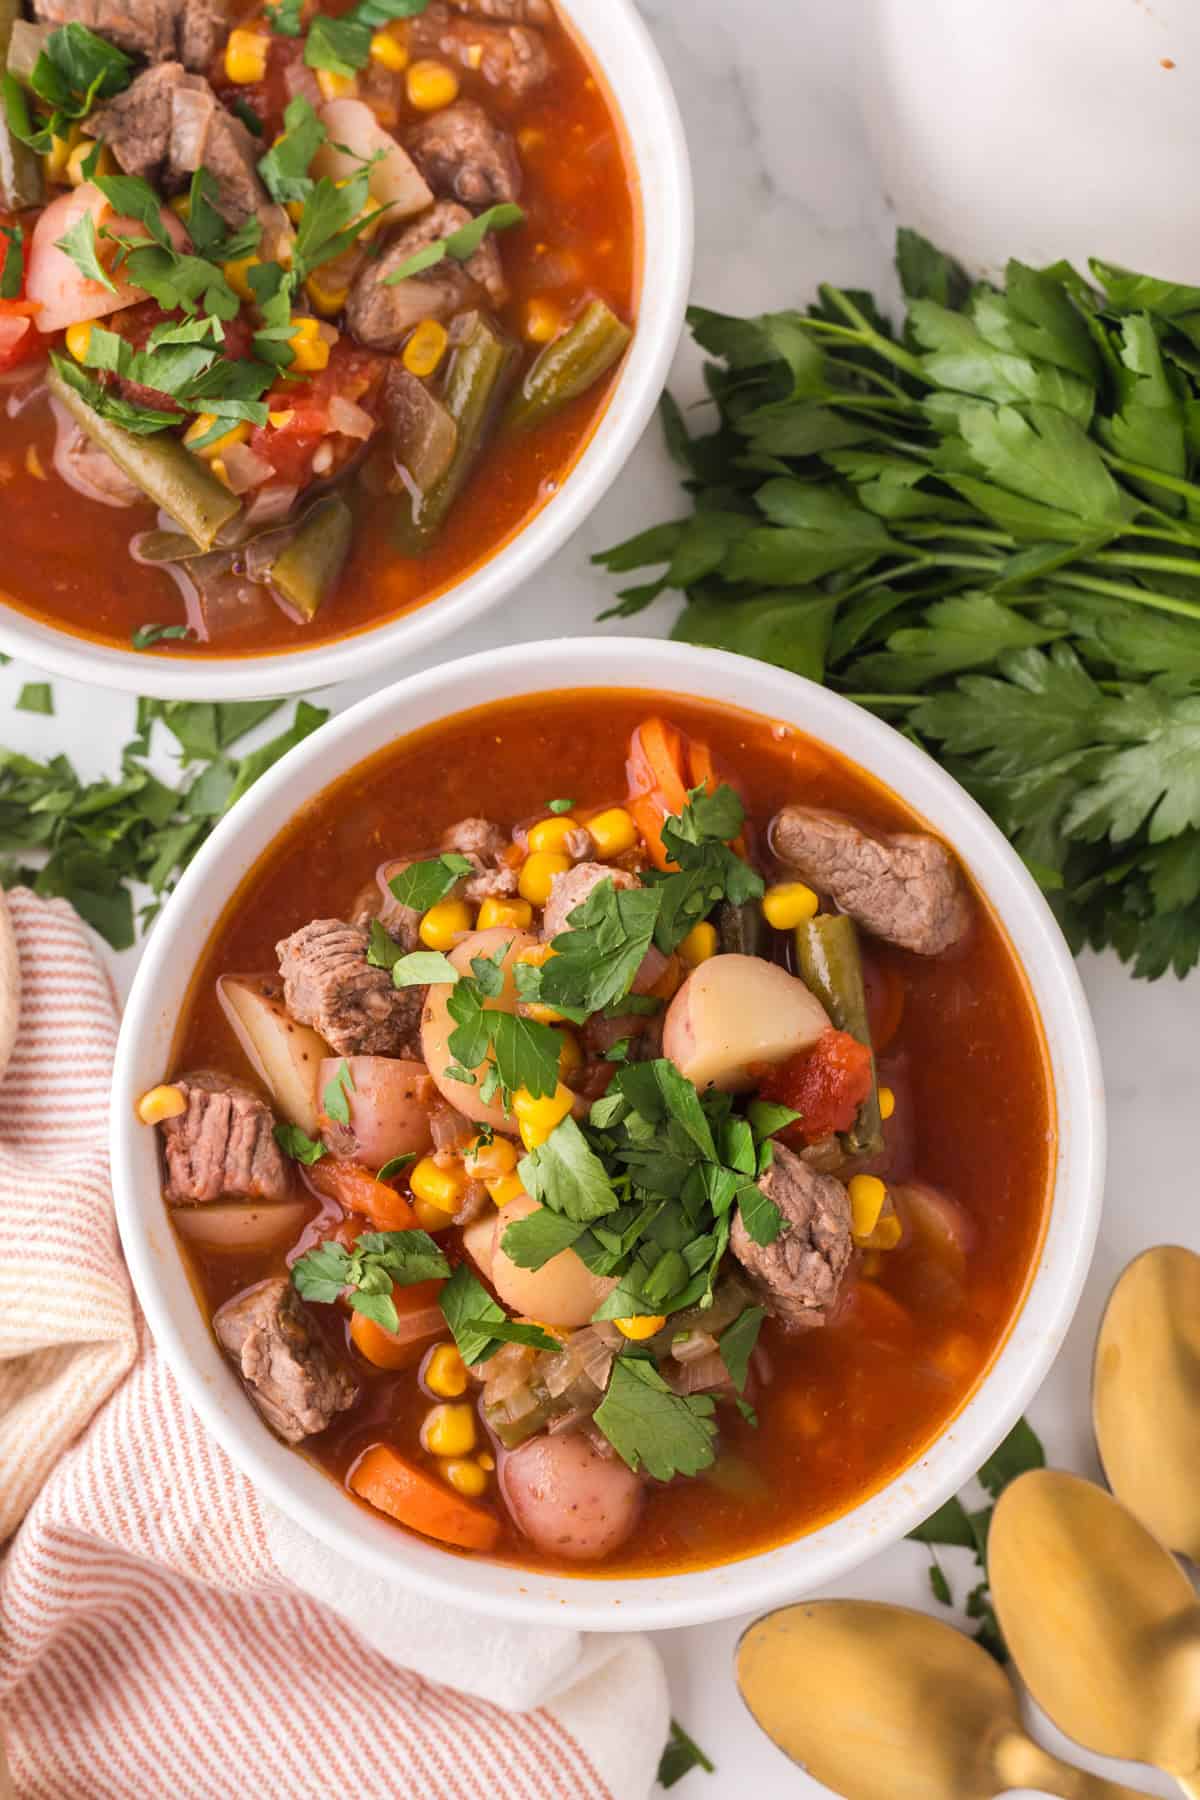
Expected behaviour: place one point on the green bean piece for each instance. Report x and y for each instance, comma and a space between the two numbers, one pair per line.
569, 366
475, 381
21, 180
307, 571
740, 929
181, 484
831, 966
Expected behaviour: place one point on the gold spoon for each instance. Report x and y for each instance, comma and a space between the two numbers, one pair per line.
1146, 1394
884, 1704
1101, 1621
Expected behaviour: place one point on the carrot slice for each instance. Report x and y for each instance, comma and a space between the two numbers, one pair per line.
656, 781
357, 1190
421, 1321
386, 1481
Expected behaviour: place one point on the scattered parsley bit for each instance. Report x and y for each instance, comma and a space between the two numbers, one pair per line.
953, 1524
559, 806
766, 1117
708, 872
462, 244
565, 1172
472, 1316
760, 1215
682, 1754
736, 1344
242, 109
285, 17
534, 1240
36, 697
422, 884
422, 966
285, 167
517, 1052
652, 1428
90, 842
79, 243
511, 1331
74, 70
335, 1101
343, 45
12, 269
395, 1164
379, 1261
147, 635
597, 959
298, 1145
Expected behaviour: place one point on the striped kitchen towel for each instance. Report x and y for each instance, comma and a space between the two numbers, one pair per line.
164, 1631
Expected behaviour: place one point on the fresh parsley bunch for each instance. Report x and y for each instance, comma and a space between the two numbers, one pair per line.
985, 527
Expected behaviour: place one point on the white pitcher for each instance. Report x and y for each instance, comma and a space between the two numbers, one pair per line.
1040, 128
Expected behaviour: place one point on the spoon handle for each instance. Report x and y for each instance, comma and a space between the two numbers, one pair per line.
1019, 1762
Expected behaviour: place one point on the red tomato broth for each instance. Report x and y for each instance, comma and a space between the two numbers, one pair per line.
68, 562
848, 1406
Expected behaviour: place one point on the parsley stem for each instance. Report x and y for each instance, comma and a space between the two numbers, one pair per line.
1125, 590
863, 372
1137, 559
874, 339
969, 534
1174, 484
886, 699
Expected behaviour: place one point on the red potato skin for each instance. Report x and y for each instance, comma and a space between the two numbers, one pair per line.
389, 1100
568, 1499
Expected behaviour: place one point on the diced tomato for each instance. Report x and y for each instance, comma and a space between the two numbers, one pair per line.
825, 1085
351, 372
19, 342
357, 1190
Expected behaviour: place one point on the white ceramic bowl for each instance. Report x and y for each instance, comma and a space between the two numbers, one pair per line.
621, 46
315, 1501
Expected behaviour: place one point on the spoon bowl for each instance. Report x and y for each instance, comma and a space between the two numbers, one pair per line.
906, 1708
1101, 1621
1146, 1394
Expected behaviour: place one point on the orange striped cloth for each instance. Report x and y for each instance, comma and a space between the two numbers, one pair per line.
158, 1631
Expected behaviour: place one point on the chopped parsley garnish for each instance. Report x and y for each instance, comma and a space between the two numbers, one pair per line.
516, 1052
74, 70
422, 966
12, 269
285, 167
597, 958
343, 45
422, 884
379, 1261
395, 1164
460, 245
36, 697
559, 806
479, 1325
147, 635
652, 1428
681, 1755
335, 1101
285, 17
565, 1172
736, 1344
708, 872
298, 1145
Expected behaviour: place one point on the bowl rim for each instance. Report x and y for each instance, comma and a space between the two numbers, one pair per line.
764, 1578
661, 171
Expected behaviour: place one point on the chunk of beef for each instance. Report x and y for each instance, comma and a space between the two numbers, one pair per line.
167, 123
571, 889
514, 12
464, 155
906, 889
329, 984
402, 923
223, 1144
87, 468
288, 1370
156, 29
484, 846
136, 125
509, 56
799, 1276
381, 317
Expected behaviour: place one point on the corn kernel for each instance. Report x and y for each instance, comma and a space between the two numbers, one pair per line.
887, 1103
699, 944
485, 1461
530, 138
443, 925
104, 164
336, 87
389, 51
474, 56
515, 913
871, 1265
613, 832
887, 1233
329, 297
552, 835
161, 1103
425, 348
506, 1189
310, 350
537, 955
538, 1118
867, 1195
465, 1477
570, 1057
640, 1327
789, 904
238, 432
236, 272
279, 421
438, 1187
79, 336
488, 1162
431, 1218
33, 462
181, 206
543, 321
431, 85
246, 57
446, 1372
449, 1430
537, 875
56, 158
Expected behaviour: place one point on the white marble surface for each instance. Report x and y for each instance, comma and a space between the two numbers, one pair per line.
787, 195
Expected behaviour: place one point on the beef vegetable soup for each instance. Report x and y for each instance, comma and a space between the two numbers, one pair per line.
303, 312
608, 1138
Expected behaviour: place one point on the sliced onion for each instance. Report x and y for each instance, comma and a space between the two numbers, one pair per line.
234, 1226
298, 78
274, 500
191, 115
450, 1130
355, 136
508, 1373
348, 419
700, 1377
245, 468
691, 1348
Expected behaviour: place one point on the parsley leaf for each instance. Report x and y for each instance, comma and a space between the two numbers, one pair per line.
511, 1331
708, 872
12, 269
531, 1242
395, 1164
285, 166
760, 1215
145, 636
565, 1174
79, 243
422, 884
597, 958
559, 806
462, 244
298, 1145
681, 1755
335, 1101
650, 1427
74, 69
36, 697
471, 1314
736, 1344
422, 966
285, 17
378, 1261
